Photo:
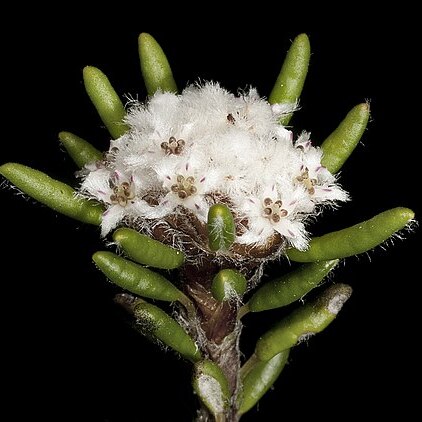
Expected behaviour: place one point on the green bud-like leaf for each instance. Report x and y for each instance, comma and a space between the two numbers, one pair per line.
148, 251
289, 287
259, 379
228, 284
307, 320
212, 387
355, 239
221, 228
81, 151
136, 279
341, 143
154, 321
106, 101
155, 67
56, 195
291, 79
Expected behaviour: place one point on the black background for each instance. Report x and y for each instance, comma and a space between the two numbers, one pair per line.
67, 352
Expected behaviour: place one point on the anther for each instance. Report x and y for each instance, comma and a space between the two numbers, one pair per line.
173, 146
184, 187
231, 119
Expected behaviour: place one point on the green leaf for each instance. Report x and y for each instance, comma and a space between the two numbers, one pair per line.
136, 279
259, 379
212, 387
340, 144
56, 195
155, 67
106, 101
355, 239
221, 228
81, 151
290, 81
148, 251
309, 319
290, 287
228, 284
151, 320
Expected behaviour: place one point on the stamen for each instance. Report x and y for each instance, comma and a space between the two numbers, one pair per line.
184, 187
121, 193
273, 211
307, 182
183, 194
173, 146
231, 119
122, 201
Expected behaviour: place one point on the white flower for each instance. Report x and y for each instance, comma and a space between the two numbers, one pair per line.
206, 146
318, 181
119, 192
275, 210
187, 185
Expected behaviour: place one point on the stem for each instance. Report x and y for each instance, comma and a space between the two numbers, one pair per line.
189, 306
243, 310
216, 328
248, 365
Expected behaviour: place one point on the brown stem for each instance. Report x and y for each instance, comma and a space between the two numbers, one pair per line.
217, 329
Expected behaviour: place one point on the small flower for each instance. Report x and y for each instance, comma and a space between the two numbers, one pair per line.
187, 186
272, 211
116, 190
317, 180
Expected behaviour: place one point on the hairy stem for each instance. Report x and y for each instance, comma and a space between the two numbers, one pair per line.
216, 329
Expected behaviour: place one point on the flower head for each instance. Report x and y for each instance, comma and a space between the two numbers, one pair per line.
184, 153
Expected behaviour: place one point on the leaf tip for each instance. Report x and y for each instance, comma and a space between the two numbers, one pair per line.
119, 235
7, 168
88, 70
146, 41
363, 109
4, 167
145, 37
302, 38
65, 137
91, 72
98, 257
405, 213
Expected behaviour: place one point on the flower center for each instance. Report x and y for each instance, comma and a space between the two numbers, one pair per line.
173, 146
122, 193
184, 187
273, 210
231, 119
307, 181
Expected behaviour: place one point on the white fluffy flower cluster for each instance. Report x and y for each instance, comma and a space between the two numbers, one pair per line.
206, 146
